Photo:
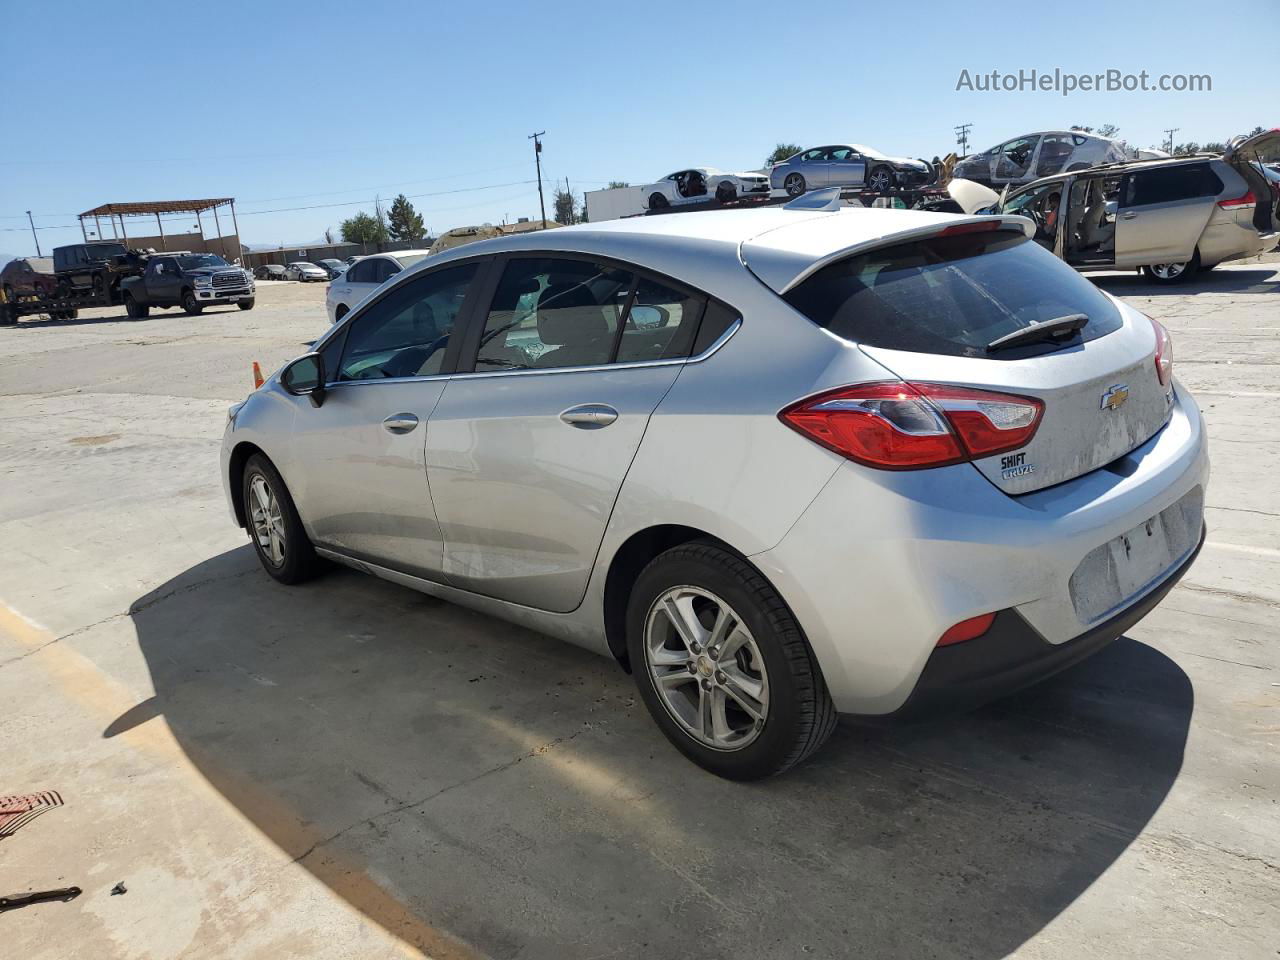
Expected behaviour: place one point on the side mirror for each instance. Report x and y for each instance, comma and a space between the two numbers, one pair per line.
305, 378
647, 317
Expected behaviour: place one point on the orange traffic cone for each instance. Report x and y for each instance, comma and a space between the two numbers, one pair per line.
257, 375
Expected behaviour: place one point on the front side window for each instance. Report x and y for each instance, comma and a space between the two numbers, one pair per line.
1054, 152
405, 333
384, 269
553, 312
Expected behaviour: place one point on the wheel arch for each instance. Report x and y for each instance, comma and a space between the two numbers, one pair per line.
240, 455
628, 560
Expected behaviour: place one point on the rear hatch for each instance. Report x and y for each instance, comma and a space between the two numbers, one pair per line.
1247, 155
929, 310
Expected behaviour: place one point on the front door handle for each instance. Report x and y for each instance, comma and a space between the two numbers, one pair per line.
590, 416
400, 422
1130, 215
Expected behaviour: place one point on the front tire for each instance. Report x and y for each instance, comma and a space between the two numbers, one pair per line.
190, 304
275, 529
726, 193
880, 179
722, 665
246, 304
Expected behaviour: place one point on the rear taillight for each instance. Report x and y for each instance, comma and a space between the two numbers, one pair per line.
1164, 353
908, 426
1246, 200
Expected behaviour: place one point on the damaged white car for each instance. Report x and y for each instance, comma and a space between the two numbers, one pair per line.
1035, 155
700, 184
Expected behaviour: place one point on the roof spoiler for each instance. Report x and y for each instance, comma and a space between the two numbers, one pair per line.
827, 198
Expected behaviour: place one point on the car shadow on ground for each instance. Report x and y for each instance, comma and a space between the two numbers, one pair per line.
1261, 278
465, 782
39, 320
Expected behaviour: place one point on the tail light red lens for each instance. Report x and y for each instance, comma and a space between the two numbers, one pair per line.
1247, 200
1164, 353
895, 425
969, 629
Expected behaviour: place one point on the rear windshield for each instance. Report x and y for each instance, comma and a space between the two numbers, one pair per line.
952, 296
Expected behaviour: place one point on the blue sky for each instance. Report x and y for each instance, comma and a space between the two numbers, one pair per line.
284, 105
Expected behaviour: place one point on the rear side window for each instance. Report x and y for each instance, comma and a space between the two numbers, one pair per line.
361, 271
1168, 184
952, 296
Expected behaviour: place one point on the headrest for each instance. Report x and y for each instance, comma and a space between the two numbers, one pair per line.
568, 314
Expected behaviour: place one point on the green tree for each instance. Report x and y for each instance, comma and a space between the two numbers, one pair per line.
1213, 146
781, 151
405, 223
566, 207
1186, 149
364, 228
615, 184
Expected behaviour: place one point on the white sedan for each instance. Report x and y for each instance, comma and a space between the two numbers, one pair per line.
700, 184
364, 276
302, 271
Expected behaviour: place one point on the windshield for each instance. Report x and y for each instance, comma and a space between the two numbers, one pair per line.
411, 260
868, 151
196, 261
952, 295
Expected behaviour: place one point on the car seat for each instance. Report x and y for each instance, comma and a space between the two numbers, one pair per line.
572, 324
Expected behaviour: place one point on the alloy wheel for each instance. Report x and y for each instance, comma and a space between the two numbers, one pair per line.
706, 668
794, 185
1168, 271
268, 521
880, 180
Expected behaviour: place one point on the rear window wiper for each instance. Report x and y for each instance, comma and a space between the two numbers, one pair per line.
1059, 328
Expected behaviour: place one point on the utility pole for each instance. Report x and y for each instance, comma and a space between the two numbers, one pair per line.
537, 159
33, 234
1171, 131
962, 138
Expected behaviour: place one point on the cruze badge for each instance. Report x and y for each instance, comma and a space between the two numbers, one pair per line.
1015, 465
1115, 397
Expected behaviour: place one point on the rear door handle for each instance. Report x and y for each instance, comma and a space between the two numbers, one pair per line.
590, 416
400, 422
1130, 215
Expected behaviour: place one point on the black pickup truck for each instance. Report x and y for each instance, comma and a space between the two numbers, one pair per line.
191, 281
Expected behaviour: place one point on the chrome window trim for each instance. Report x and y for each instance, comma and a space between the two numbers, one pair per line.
719, 342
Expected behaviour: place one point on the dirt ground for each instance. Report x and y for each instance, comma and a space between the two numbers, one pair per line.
351, 769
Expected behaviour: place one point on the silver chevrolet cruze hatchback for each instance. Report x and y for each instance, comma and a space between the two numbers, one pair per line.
781, 464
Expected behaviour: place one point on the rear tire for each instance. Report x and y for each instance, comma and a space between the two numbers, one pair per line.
190, 304
275, 529
135, 310
792, 712
1169, 273
658, 202
795, 185
245, 304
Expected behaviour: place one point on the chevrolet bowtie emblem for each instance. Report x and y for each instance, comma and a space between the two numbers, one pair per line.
1115, 397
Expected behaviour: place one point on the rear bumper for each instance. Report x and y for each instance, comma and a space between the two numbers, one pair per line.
1013, 655
882, 563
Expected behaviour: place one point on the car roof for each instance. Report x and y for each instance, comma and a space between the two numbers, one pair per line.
781, 245
1124, 166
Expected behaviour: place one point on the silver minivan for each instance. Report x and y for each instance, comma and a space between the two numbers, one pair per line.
1167, 217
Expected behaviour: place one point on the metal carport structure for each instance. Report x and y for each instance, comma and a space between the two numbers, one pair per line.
118, 212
